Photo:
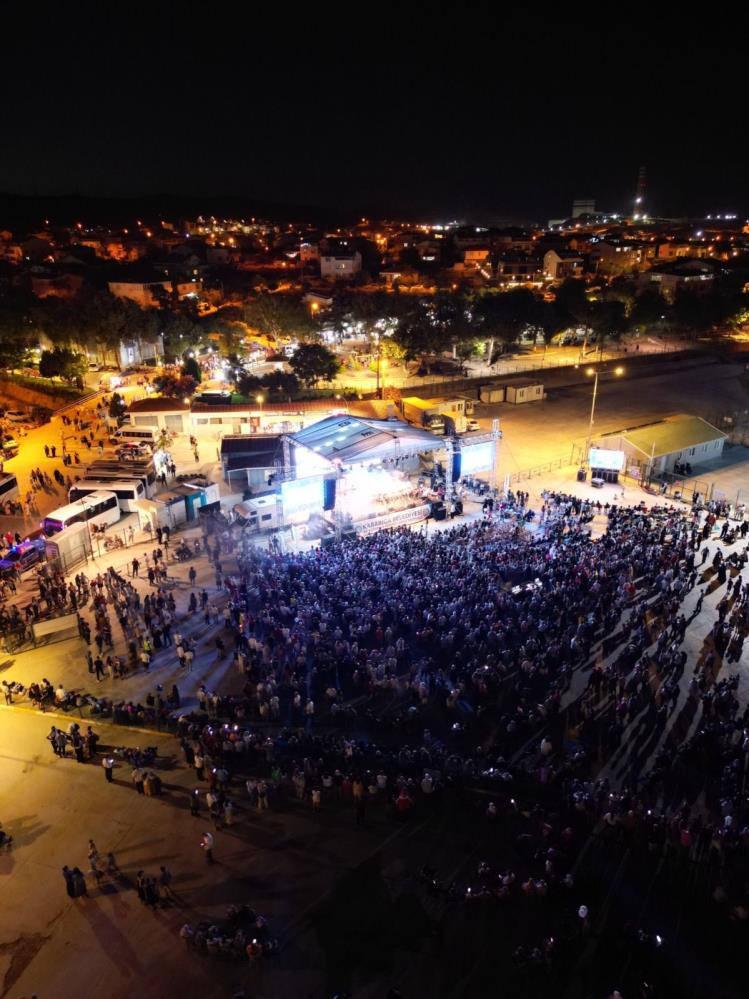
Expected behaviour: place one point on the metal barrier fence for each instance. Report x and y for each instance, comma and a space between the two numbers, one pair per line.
531, 473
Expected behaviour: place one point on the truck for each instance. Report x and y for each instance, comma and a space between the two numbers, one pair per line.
440, 416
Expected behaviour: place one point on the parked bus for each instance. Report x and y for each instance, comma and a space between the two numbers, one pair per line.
142, 470
98, 509
127, 491
8, 487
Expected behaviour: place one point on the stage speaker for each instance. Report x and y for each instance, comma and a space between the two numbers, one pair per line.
440, 514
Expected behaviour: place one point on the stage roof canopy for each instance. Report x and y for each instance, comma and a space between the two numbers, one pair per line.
349, 439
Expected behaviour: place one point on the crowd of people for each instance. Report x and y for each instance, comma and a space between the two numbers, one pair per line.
460, 649
536, 673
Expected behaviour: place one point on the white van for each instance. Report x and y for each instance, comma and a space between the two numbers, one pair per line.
143, 435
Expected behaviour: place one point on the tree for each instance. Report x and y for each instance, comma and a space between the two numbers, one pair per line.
571, 300
277, 385
17, 332
505, 316
249, 385
176, 386
117, 406
650, 309
279, 315
62, 362
608, 319
58, 320
549, 320
283, 385
191, 367
164, 440
180, 333
313, 362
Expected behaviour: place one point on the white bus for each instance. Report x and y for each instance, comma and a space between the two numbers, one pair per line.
127, 491
97, 509
8, 486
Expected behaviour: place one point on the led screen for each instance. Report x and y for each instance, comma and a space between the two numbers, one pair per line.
602, 458
476, 458
300, 498
309, 462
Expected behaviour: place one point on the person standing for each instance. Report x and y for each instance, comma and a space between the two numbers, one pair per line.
138, 779
165, 881
207, 845
69, 881
108, 765
79, 882
199, 764
140, 886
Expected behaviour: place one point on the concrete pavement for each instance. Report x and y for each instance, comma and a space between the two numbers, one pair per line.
283, 863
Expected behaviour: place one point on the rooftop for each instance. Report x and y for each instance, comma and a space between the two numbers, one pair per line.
159, 404
348, 439
676, 433
302, 406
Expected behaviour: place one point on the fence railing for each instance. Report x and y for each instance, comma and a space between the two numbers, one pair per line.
536, 470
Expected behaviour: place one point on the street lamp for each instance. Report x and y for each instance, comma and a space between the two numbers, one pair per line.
594, 373
259, 399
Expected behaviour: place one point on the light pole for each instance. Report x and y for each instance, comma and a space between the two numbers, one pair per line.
595, 372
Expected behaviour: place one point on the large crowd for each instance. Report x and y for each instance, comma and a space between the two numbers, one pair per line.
534, 671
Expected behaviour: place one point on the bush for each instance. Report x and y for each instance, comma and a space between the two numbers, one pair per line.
44, 385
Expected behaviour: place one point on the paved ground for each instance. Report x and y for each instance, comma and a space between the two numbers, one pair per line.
537, 433
284, 863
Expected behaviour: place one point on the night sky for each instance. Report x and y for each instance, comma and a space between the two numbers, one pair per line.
376, 108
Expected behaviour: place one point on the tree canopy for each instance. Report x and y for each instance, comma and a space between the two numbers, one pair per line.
312, 362
191, 369
62, 362
279, 315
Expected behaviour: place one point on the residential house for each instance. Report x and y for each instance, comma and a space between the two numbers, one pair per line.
518, 268
688, 274
513, 238
340, 265
50, 283
145, 293
476, 257
562, 264
618, 256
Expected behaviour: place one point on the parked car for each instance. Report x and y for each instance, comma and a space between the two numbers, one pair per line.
22, 557
131, 452
472, 425
9, 448
16, 416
